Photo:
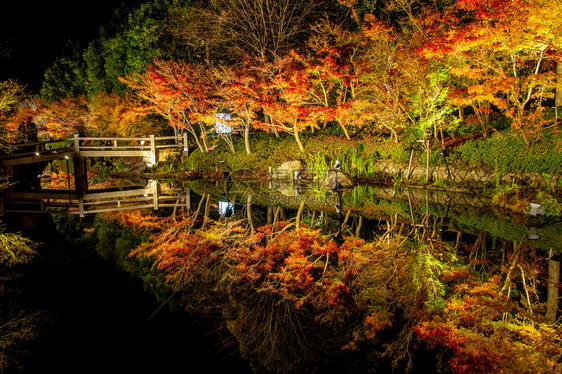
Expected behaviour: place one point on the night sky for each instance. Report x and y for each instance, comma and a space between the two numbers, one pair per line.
33, 34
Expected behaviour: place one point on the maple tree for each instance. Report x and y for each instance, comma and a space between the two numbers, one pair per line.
334, 67
180, 92
114, 115
501, 54
243, 93
62, 118
291, 104
10, 93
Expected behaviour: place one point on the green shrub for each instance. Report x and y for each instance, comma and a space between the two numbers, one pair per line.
507, 151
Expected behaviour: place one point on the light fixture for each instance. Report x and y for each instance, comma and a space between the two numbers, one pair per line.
536, 209
337, 165
533, 233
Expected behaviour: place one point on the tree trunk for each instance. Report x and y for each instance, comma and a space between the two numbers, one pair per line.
198, 142
345, 132
359, 225
462, 116
207, 211
558, 101
269, 215
427, 161
552, 292
247, 138
271, 128
249, 215
299, 213
459, 241
204, 137
297, 138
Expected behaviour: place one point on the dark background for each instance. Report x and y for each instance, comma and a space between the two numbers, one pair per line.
33, 34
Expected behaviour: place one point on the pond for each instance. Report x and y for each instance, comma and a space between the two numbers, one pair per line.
361, 279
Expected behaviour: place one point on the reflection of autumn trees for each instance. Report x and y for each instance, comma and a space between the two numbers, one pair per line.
17, 326
269, 330
478, 307
15, 248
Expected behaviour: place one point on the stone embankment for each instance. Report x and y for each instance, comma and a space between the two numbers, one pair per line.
468, 176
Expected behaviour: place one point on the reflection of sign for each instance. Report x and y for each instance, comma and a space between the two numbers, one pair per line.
226, 208
221, 123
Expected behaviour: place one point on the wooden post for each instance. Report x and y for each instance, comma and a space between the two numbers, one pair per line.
552, 291
155, 193
81, 206
76, 143
188, 199
80, 176
185, 144
152, 148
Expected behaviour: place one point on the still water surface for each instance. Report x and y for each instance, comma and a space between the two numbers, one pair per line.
99, 311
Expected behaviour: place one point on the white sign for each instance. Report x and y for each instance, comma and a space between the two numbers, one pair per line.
221, 123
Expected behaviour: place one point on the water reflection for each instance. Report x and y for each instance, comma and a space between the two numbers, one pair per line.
370, 209
152, 196
289, 271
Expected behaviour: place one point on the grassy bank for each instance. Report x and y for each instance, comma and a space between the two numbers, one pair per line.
501, 153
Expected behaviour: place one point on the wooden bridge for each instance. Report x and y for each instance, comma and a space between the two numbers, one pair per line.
80, 148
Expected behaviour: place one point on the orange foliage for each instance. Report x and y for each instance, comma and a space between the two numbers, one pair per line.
61, 180
61, 119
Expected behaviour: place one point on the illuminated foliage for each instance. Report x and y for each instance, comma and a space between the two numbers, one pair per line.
502, 55
182, 93
243, 93
10, 93
402, 294
15, 249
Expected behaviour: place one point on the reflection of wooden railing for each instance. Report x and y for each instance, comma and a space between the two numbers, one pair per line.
68, 202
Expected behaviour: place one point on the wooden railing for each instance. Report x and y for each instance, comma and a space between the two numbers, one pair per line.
86, 147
